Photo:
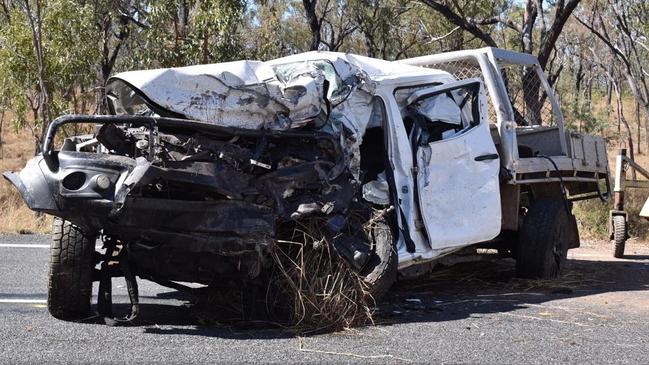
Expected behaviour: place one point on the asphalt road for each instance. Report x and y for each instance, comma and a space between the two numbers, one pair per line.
476, 313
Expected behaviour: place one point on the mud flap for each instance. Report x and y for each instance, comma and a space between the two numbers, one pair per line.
573, 236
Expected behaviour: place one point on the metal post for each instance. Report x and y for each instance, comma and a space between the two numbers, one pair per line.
620, 180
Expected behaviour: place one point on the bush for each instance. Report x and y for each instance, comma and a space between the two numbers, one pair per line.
592, 216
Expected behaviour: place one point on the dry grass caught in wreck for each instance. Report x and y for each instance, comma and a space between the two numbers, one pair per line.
320, 290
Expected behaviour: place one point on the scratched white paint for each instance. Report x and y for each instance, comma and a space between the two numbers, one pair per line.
249, 94
460, 197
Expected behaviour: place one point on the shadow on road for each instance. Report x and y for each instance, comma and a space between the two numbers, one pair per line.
448, 294
468, 290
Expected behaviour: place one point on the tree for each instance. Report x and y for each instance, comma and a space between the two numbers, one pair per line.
621, 27
315, 21
34, 13
185, 33
330, 23
388, 28
114, 21
44, 56
476, 20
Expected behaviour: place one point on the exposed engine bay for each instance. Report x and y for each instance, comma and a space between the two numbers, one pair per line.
198, 190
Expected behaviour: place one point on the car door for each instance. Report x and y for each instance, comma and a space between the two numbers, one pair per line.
457, 164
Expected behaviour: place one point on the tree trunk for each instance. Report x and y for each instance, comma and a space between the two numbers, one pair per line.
529, 18
314, 23
35, 23
531, 89
637, 119
609, 96
2, 119
589, 95
578, 81
109, 57
37, 140
646, 126
82, 93
548, 41
75, 102
205, 49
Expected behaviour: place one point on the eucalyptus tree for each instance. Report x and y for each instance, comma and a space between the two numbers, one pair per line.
622, 26
45, 54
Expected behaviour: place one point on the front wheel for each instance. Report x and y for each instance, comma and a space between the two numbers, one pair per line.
70, 276
380, 271
544, 239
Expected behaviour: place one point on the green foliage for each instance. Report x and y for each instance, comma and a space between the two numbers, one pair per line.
16, 60
593, 216
586, 122
81, 36
274, 29
205, 33
69, 57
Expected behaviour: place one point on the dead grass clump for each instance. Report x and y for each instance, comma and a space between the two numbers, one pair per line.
16, 217
316, 288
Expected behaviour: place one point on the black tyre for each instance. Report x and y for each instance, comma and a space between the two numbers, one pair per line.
619, 236
380, 272
70, 276
544, 239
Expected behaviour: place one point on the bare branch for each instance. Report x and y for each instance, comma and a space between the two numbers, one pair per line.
561, 16
460, 21
432, 39
604, 38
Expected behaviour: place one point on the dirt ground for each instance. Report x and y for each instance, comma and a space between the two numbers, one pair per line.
593, 280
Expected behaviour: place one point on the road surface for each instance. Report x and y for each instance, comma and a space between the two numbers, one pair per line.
476, 312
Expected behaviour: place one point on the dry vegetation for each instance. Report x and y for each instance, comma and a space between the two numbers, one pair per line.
592, 215
15, 217
322, 290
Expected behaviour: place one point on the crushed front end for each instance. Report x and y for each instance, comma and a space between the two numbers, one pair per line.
193, 200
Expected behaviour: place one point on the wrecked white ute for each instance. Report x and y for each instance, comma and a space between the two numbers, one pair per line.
200, 171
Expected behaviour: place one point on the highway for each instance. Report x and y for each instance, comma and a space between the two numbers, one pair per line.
470, 313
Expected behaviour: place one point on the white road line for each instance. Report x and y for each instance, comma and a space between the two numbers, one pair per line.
24, 301
27, 245
22, 245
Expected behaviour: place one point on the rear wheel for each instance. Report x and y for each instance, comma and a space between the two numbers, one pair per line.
619, 236
544, 240
70, 276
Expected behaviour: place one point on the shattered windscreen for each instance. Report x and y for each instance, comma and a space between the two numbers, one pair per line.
127, 101
338, 89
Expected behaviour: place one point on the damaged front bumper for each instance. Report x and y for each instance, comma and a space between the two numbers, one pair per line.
224, 199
